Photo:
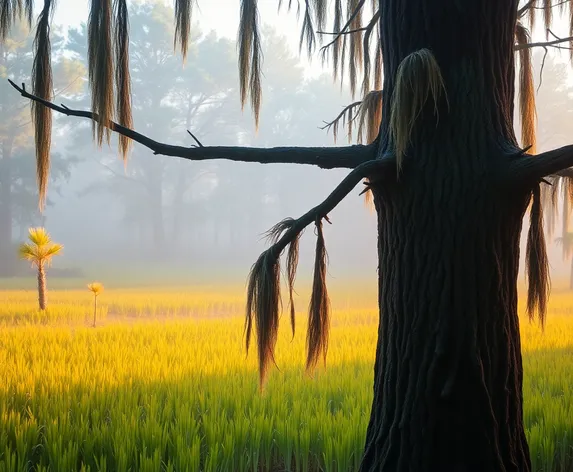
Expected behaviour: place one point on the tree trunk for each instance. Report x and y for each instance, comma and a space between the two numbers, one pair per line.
95, 309
42, 299
448, 372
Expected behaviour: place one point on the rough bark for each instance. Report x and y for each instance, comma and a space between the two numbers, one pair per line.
42, 297
448, 373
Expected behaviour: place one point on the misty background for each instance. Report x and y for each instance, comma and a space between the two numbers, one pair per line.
205, 219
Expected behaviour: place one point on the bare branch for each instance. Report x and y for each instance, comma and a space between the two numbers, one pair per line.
352, 31
543, 44
525, 8
532, 168
530, 6
377, 170
346, 25
324, 157
263, 292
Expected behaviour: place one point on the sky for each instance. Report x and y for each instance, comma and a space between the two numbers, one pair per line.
219, 15
223, 17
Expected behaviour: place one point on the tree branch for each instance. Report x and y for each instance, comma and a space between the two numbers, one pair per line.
530, 6
525, 8
324, 157
530, 168
377, 170
543, 44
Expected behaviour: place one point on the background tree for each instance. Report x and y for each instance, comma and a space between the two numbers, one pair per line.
40, 251
450, 186
170, 108
96, 288
18, 187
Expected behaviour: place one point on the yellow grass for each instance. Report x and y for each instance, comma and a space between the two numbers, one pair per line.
164, 384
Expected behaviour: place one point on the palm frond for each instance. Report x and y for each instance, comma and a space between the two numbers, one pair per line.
40, 249
53, 250
95, 287
28, 252
39, 236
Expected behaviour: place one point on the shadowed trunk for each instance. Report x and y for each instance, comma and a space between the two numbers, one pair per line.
42, 300
448, 373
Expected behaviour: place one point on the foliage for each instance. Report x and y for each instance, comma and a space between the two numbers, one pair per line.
18, 183
174, 390
96, 288
41, 249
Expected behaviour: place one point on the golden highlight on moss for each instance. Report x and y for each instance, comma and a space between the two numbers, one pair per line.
42, 84
12, 10
319, 309
183, 11
527, 110
263, 298
122, 74
536, 261
417, 79
100, 67
250, 57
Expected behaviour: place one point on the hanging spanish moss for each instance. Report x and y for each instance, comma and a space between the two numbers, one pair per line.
292, 264
42, 87
263, 299
100, 67
536, 261
370, 117
336, 45
319, 309
183, 11
418, 78
122, 75
356, 51
29, 11
250, 57
273, 235
367, 63
307, 36
526, 90
6, 17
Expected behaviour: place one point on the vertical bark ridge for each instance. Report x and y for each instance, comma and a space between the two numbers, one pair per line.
448, 373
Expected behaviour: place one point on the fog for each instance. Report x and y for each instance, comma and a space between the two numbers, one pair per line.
162, 214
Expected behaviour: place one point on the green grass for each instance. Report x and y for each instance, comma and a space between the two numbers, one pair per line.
163, 384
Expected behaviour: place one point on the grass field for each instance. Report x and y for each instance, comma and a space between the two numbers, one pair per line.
163, 384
